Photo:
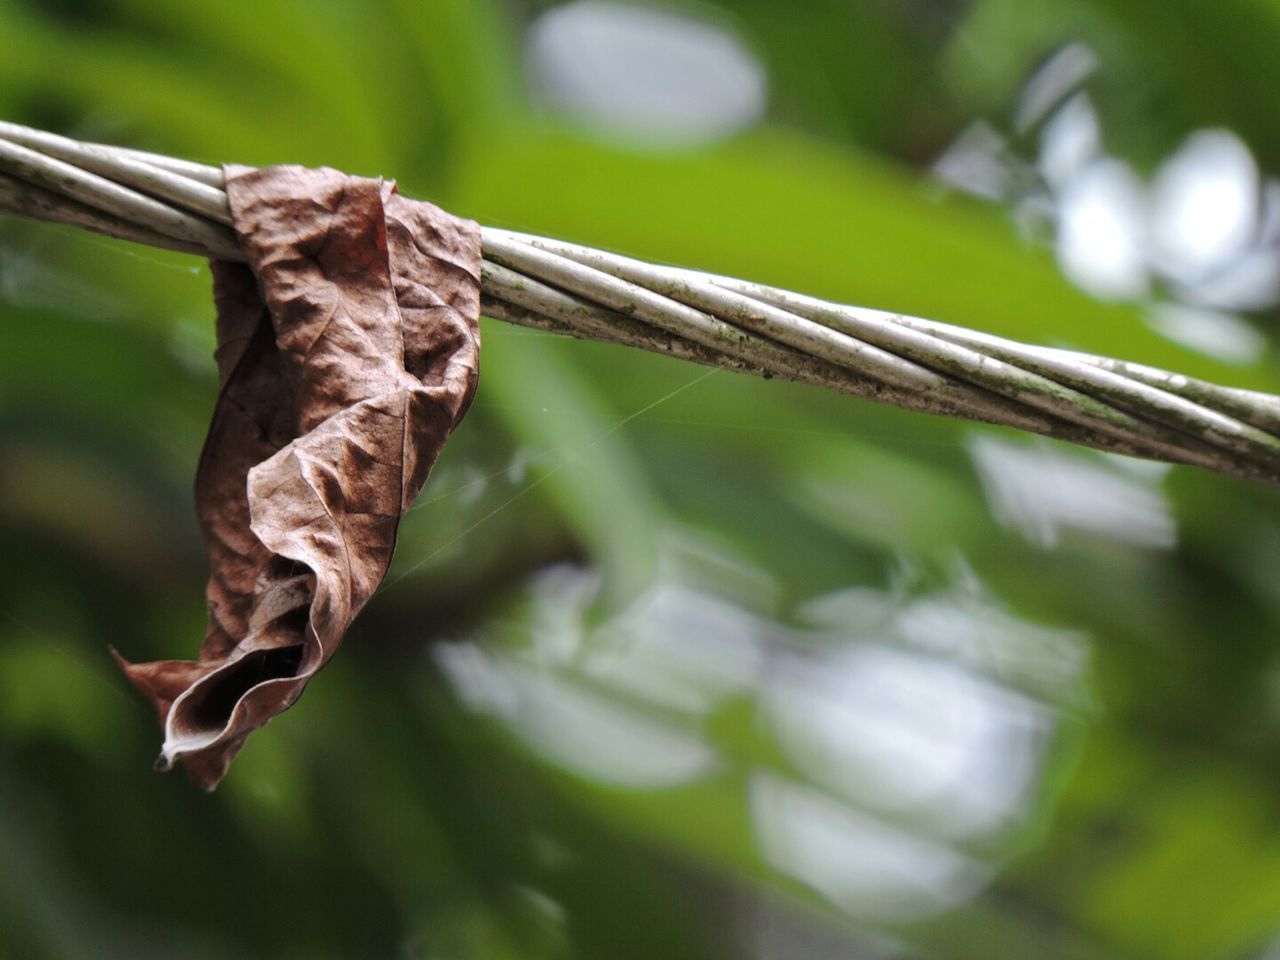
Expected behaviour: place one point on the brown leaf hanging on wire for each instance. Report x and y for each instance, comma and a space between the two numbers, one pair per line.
347, 353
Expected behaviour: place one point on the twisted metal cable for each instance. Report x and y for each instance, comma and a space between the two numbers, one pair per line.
569, 289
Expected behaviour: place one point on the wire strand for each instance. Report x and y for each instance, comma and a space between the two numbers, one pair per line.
569, 289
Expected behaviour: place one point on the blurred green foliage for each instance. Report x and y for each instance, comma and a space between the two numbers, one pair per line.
570, 725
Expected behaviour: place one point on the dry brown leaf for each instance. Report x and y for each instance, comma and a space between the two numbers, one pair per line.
347, 353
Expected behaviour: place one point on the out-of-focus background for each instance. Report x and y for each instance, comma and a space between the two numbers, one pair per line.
675, 663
